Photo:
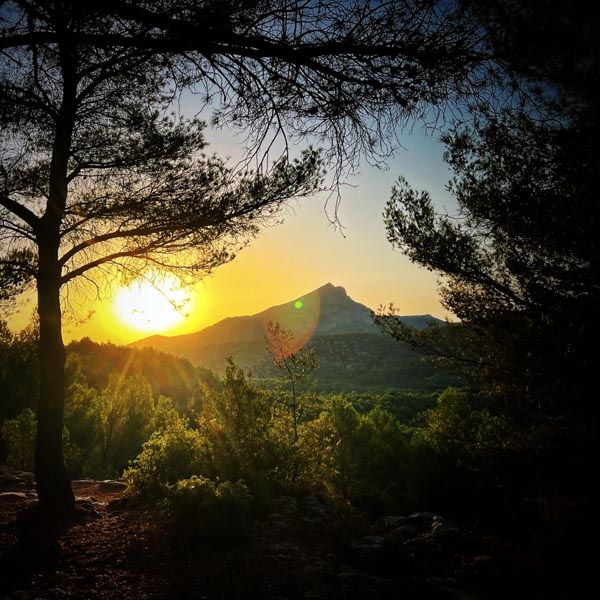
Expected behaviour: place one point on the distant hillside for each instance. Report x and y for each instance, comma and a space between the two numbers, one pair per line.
325, 311
352, 351
167, 375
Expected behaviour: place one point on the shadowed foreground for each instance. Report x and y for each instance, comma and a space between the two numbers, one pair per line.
114, 548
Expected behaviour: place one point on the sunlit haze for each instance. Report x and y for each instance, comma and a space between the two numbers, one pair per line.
288, 260
155, 305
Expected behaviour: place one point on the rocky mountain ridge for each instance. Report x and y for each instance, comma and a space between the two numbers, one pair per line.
341, 330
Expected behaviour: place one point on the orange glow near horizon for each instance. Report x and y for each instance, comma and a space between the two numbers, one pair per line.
284, 263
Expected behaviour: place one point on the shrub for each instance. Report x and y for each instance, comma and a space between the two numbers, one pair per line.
201, 508
19, 437
170, 455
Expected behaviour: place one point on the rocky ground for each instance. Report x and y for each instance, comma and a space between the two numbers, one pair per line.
302, 549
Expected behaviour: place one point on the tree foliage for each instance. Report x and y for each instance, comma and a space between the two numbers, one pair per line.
520, 260
19, 435
296, 364
171, 454
19, 370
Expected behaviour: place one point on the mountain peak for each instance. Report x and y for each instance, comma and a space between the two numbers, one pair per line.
326, 311
329, 292
329, 286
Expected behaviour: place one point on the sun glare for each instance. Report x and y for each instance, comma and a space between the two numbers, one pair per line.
157, 306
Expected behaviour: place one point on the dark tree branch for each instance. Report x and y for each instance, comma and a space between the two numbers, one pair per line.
20, 211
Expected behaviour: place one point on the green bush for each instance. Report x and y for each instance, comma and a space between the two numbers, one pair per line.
170, 455
201, 508
19, 438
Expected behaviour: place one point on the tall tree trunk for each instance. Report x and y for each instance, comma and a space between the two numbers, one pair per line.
53, 486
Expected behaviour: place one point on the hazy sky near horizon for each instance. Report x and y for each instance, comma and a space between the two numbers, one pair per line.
305, 252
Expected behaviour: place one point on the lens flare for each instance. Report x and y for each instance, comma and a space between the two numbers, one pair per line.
300, 318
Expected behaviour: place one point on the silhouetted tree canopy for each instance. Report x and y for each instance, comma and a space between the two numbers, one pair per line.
346, 73
520, 260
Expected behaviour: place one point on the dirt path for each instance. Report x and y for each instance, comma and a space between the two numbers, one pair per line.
116, 550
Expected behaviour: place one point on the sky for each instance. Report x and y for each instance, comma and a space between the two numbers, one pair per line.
289, 260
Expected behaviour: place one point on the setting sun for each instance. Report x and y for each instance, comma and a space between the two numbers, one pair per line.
152, 305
